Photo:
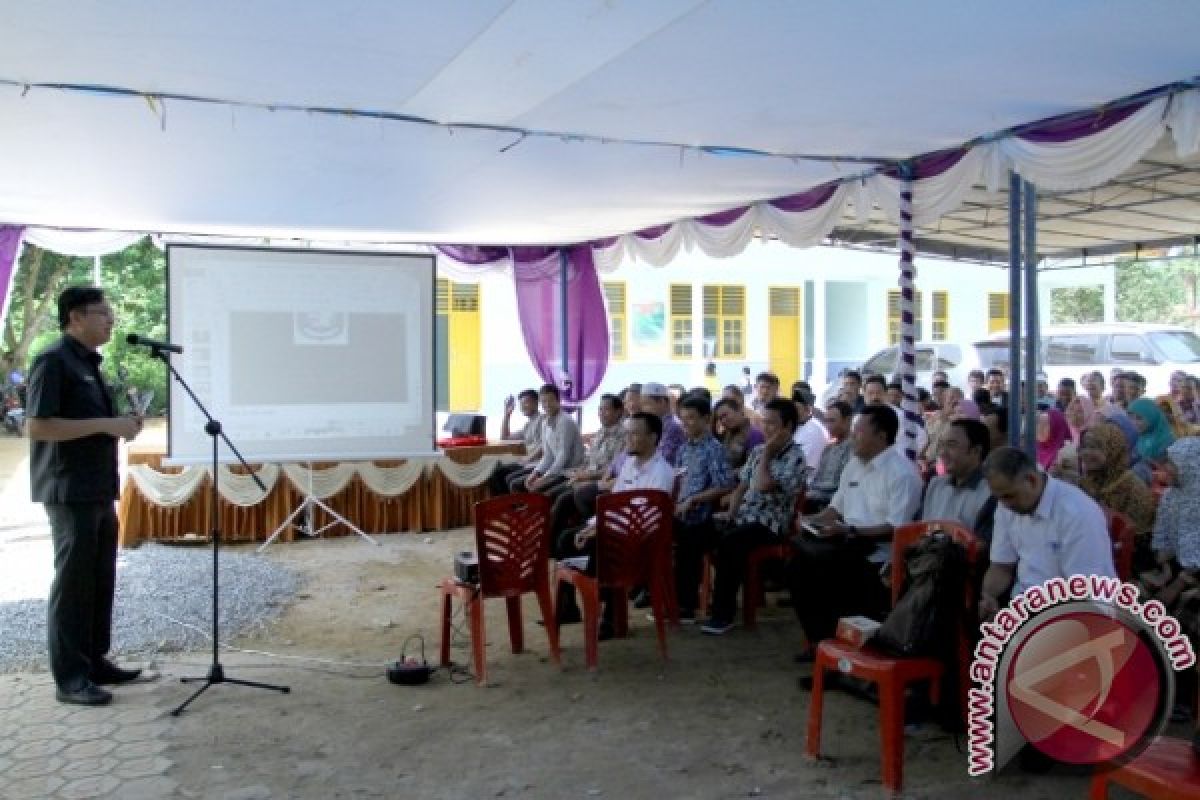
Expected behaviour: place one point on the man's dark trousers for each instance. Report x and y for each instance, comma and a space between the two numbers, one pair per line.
80, 605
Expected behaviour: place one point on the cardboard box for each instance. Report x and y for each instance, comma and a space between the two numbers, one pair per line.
856, 631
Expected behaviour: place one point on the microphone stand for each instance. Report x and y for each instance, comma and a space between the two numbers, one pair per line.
216, 673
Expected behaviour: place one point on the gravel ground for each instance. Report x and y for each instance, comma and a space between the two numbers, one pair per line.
164, 604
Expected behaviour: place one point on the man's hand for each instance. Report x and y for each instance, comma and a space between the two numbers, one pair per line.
776, 444
126, 427
510, 403
727, 501
684, 506
988, 607
582, 537
534, 481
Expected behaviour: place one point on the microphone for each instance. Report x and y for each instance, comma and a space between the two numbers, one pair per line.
154, 344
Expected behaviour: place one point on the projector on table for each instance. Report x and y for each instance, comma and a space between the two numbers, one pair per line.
465, 430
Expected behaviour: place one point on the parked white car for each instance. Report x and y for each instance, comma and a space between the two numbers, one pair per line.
955, 359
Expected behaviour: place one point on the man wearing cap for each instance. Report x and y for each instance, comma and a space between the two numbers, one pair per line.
810, 433
657, 401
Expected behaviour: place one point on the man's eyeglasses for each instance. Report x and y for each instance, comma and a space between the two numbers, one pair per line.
108, 313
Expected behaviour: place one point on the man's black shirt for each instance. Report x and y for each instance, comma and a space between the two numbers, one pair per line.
65, 381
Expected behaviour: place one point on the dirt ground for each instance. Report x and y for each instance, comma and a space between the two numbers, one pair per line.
723, 718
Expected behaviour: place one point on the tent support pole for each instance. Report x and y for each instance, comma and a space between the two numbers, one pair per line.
1014, 308
908, 354
1031, 319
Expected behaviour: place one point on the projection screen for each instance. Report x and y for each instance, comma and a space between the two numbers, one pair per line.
302, 355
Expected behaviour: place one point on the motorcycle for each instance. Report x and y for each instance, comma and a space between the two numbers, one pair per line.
14, 414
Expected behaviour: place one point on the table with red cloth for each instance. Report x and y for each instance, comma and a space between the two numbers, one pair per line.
433, 503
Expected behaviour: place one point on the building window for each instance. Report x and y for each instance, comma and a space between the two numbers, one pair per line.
614, 298
997, 312
681, 320
464, 297
725, 321
941, 316
894, 319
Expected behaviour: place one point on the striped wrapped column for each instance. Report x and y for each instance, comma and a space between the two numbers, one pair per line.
908, 354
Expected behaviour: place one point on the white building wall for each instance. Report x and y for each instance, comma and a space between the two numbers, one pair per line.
762, 265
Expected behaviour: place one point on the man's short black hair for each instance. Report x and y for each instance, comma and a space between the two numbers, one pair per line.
612, 401
1070, 382
653, 424
978, 436
768, 377
700, 391
786, 409
1008, 462
801, 385
995, 371
842, 407
853, 373
696, 402
74, 298
634, 387
550, 388
1137, 378
896, 385
981, 396
884, 420
802, 396
530, 393
734, 389
976, 373
726, 402
941, 384
882, 381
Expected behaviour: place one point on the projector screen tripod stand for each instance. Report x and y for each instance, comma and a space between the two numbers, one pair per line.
307, 506
216, 672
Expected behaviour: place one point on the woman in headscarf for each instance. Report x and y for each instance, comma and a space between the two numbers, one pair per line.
1154, 433
1104, 461
966, 409
1052, 434
1081, 415
1176, 544
1175, 423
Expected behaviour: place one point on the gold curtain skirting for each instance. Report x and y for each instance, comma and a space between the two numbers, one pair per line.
433, 503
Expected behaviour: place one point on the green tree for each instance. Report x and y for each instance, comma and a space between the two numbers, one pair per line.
1081, 304
1150, 291
135, 280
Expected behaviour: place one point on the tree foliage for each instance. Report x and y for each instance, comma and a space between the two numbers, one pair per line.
1157, 290
135, 281
1079, 304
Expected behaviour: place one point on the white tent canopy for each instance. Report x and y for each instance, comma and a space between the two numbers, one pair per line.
630, 91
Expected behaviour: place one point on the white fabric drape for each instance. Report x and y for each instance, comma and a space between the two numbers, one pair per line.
391, 481
467, 476
81, 243
1080, 164
172, 489
321, 483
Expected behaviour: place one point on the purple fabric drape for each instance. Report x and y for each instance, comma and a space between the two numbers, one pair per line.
10, 245
537, 276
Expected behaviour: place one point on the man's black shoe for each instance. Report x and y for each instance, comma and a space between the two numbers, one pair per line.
641, 599
88, 695
106, 673
606, 632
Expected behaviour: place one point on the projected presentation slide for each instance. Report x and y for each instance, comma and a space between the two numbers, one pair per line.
302, 355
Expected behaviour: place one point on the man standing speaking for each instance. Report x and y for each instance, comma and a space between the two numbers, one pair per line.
73, 426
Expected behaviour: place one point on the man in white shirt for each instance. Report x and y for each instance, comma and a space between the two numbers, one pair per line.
1045, 528
562, 445
643, 468
810, 433
835, 572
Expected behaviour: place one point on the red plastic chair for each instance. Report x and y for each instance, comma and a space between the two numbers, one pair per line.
1120, 530
1168, 769
753, 596
512, 535
633, 548
892, 674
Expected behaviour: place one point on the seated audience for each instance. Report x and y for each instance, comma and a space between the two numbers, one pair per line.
1065, 395
997, 387
1044, 528
976, 380
962, 494
835, 572
839, 416
996, 420
895, 394
656, 400
1081, 415
632, 397
562, 445
766, 389
810, 434
875, 393
705, 477
737, 436
1134, 387
598, 457
643, 468
1175, 423
530, 435
1052, 434
1154, 432
1107, 479
852, 384
761, 508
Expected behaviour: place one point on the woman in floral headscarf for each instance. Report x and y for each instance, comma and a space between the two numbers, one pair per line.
1104, 459
1154, 433
1176, 543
